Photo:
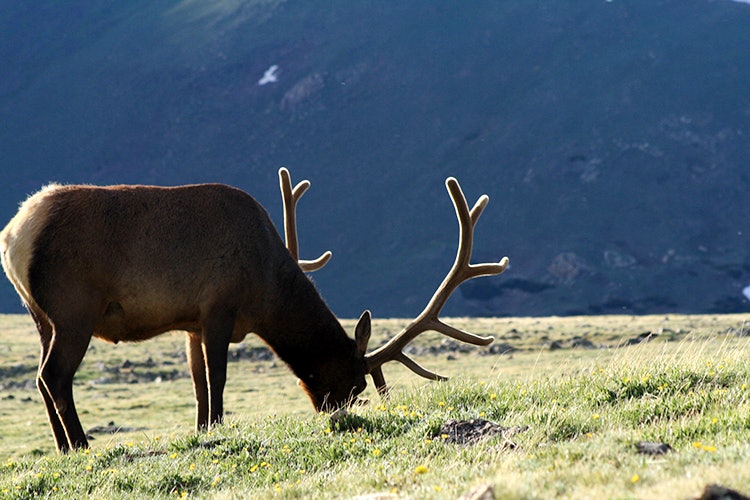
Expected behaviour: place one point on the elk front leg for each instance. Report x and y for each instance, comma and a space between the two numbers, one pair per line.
200, 384
217, 331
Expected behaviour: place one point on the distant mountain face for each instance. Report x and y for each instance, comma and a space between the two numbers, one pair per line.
612, 137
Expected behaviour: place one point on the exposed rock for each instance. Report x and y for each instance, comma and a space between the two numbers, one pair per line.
566, 267
302, 91
742, 331
110, 428
643, 337
618, 260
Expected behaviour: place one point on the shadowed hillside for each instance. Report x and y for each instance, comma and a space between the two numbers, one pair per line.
612, 137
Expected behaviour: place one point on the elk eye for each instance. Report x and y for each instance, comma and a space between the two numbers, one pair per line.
308, 380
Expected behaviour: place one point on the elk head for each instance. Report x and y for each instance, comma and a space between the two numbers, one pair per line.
428, 319
330, 387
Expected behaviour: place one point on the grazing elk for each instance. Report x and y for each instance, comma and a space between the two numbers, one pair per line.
127, 263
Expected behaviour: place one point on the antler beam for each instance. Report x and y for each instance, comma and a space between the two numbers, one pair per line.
291, 197
428, 319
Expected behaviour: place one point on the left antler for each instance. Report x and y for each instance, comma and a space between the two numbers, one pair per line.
461, 271
291, 197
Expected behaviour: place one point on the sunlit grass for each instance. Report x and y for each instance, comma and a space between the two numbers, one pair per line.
580, 415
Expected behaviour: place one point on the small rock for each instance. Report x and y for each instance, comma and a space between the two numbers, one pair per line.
555, 345
717, 492
582, 343
649, 448
502, 348
338, 416
483, 492
110, 428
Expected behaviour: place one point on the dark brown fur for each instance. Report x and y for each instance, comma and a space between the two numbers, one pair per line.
127, 263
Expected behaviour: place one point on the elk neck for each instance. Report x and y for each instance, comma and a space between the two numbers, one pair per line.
301, 329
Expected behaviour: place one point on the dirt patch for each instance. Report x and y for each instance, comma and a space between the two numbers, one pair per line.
466, 432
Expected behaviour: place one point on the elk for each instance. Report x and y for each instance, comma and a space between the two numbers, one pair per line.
128, 263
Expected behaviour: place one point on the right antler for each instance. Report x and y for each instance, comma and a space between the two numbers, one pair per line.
461, 271
291, 197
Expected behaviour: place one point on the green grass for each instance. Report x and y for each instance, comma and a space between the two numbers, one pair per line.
585, 411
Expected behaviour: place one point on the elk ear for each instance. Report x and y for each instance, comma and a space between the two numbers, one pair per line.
362, 333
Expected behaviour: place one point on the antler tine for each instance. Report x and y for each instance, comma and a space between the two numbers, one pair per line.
291, 197
478, 208
428, 319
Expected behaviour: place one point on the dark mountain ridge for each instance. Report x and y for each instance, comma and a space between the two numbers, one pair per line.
611, 137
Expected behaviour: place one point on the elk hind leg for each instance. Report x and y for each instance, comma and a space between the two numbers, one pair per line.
44, 327
64, 354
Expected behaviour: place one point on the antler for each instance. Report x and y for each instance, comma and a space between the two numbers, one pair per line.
291, 197
461, 271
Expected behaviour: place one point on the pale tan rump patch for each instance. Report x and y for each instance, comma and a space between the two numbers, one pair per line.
18, 238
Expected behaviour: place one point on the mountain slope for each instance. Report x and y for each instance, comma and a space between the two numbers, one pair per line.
611, 137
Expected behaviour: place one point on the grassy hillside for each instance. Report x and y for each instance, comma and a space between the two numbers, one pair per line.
611, 136
570, 398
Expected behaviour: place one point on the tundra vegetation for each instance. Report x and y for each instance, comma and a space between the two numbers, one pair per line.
577, 396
